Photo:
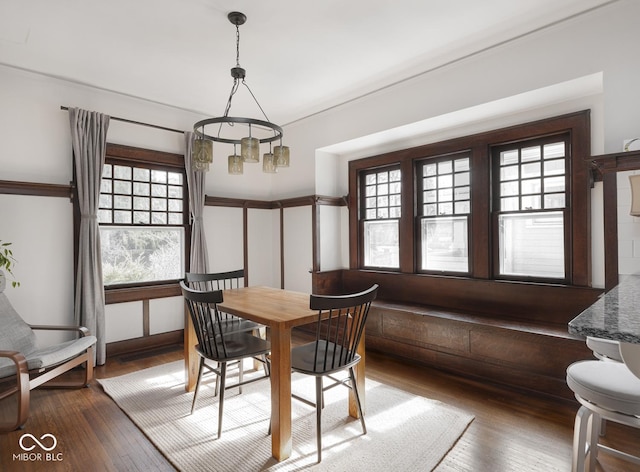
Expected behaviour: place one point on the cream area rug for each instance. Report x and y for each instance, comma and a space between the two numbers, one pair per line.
404, 432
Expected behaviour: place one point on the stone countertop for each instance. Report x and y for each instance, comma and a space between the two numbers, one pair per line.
615, 315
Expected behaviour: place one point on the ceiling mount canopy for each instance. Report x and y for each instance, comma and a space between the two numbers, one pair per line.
248, 133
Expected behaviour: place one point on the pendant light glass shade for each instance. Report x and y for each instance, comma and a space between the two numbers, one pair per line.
282, 156
269, 163
235, 164
202, 154
250, 149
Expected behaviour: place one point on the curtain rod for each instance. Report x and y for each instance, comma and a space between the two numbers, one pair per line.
125, 120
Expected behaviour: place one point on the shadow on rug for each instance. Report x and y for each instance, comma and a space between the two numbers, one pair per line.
404, 432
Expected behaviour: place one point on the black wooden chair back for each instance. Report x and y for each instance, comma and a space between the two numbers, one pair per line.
215, 281
207, 323
339, 327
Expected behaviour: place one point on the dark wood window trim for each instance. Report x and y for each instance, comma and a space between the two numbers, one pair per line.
578, 127
605, 168
128, 155
421, 215
563, 137
12, 187
377, 206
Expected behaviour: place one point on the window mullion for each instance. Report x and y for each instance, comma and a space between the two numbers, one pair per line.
407, 229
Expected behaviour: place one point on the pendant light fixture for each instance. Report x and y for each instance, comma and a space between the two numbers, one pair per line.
269, 162
258, 130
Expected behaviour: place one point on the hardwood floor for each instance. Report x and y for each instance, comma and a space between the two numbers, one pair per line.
512, 431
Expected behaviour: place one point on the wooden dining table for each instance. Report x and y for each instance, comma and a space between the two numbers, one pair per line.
279, 310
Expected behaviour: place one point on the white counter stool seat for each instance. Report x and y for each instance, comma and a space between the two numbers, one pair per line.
605, 349
607, 391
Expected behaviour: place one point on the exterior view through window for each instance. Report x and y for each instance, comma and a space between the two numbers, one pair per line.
445, 208
532, 198
141, 219
381, 218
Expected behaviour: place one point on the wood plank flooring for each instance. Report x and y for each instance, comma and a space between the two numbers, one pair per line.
512, 431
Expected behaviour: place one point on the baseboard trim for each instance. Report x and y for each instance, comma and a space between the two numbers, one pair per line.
129, 346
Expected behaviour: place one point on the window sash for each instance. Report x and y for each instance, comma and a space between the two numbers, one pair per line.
141, 254
381, 243
531, 184
444, 244
531, 244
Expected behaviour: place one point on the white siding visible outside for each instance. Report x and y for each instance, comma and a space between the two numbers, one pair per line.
628, 229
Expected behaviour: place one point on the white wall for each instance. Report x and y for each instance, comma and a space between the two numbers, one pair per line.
331, 238
297, 248
35, 147
263, 248
594, 49
41, 233
628, 229
224, 231
123, 321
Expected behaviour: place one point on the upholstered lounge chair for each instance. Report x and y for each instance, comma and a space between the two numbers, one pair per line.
24, 366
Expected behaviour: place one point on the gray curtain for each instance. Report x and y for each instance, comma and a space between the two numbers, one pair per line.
89, 139
199, 259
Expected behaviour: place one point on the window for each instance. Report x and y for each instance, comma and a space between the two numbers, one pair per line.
509, 204
530, 195
141, 219
381, 213
144, 225
445, 205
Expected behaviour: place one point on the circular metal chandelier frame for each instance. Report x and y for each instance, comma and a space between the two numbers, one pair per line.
199, 128
238, 74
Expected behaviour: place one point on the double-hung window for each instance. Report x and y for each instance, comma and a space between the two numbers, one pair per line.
381, 212
444, 195
143, 222
510, 204
530, 198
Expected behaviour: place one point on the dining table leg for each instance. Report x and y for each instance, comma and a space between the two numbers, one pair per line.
281, 444
191, 359
359, 372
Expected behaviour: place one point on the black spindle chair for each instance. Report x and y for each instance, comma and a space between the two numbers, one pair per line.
215, 344
339, 327
229, 323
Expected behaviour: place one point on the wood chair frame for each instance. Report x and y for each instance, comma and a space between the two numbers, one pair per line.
27, 380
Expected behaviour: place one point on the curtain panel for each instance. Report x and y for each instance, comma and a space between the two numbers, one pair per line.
89, 138
199, 258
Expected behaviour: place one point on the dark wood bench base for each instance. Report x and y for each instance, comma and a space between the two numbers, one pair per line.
509, 352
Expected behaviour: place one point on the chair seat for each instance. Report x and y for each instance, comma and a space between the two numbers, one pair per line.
49, 356
304, 358
238, 325
238, 346
610, 385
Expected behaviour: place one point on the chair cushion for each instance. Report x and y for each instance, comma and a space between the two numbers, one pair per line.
15, 335
610, 385
49, 356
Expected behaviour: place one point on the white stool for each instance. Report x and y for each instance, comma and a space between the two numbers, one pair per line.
605, 349
607, 391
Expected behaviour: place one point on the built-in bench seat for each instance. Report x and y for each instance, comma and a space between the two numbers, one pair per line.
512, 334
513, 324
527, 355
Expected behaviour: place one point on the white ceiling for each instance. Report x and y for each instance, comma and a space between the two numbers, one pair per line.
301, 56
